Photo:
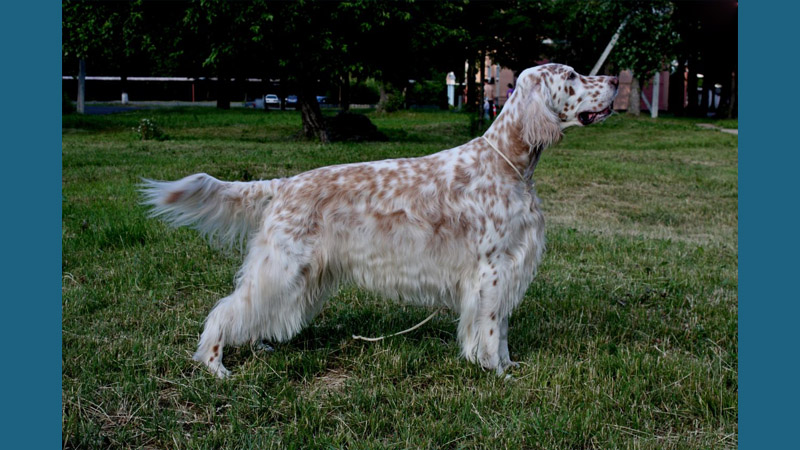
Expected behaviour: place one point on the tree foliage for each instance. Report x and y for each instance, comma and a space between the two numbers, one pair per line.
313, 44
646, 44
515, 32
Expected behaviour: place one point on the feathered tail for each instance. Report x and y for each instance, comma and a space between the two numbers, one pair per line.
227, 211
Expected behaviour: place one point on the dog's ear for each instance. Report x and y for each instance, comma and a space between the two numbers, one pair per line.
540, 125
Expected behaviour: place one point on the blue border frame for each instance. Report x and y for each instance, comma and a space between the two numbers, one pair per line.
769, 159
31, 156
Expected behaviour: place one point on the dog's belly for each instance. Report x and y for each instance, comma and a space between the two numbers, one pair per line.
422, 265
410, 271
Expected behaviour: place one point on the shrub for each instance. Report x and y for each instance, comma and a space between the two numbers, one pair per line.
428, 93
352, 127
149, 130
394, 100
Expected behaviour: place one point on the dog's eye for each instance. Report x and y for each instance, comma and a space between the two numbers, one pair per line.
572, 76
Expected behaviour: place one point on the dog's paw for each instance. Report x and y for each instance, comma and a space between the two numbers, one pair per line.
506, 365
220, 371
510, 363
490, 361
214, 365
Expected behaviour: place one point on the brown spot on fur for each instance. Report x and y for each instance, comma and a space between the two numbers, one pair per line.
460, 176
571, 91
491, 331
211, 359
387, 222
464, 226
494, 316
494, 283
438, 224
173, 197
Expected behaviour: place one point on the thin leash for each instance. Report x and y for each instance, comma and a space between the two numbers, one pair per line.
528, 177
380, 338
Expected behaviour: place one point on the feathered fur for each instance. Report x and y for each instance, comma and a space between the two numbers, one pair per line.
222, 210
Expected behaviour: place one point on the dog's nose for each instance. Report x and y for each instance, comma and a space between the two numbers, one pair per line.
614, 81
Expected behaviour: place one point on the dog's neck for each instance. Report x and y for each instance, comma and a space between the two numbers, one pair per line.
505, 134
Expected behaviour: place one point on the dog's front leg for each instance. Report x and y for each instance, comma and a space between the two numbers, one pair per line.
489, 352
489, 324
505, 357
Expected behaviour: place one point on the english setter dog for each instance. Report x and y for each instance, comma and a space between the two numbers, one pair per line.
460, 229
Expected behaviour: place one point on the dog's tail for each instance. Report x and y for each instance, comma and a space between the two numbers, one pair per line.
227, 211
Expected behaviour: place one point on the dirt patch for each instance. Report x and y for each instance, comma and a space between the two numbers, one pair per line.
331, 381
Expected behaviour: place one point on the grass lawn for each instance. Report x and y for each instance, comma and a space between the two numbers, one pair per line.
627, 338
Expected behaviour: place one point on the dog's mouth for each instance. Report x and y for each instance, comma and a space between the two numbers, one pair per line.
590, 117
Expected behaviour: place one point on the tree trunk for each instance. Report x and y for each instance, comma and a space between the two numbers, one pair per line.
693, 107
677, 90
282, 87
634, 101
223, 94
344, 93
733, 107
124, 88
471, 89
383, 97
124, 69
81, 107
704, 108
481, 99
655, 101
313, 122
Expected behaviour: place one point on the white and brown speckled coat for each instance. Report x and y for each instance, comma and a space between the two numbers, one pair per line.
460, 228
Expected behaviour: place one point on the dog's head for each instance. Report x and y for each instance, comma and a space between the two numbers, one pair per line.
562, 98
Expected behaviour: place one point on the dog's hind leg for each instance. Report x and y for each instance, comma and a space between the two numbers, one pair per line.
219, 327
276, 296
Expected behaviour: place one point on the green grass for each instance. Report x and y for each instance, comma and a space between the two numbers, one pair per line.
727, 123
627, 337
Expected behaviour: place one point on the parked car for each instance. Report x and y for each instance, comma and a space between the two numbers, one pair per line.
291, 101
322, 100
272, 101
257, 103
